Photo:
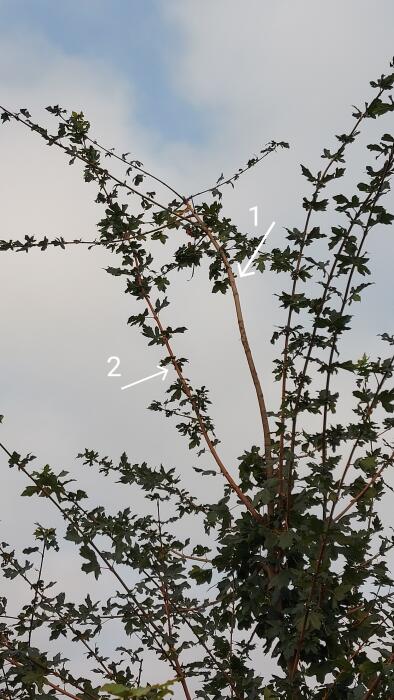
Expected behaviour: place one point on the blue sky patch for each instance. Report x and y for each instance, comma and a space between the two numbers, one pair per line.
134, 38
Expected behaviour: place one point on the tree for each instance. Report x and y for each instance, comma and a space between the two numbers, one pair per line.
299, 568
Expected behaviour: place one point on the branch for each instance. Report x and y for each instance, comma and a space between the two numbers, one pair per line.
385, 173
324, 540
365, 489
188, 392
59, 617
181, 555
14, 662
167, 606
60, 242
36, 587
319, 185
100, 171
244, 338
147, 621
270, 148
319, 312
375, 684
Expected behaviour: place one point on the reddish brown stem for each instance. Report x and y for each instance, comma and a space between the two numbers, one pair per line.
167, 606
188, 392
244, 339
323, 544
11, 660
318, 187
365, 489
375, 683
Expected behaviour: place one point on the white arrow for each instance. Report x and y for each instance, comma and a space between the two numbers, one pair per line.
244, 272
163, 372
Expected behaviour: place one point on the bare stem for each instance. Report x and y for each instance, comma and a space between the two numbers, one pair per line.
244, 338
188, 392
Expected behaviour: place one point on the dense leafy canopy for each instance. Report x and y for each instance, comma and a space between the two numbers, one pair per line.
299, 568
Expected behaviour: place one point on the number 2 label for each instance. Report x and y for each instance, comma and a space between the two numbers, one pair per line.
112, 372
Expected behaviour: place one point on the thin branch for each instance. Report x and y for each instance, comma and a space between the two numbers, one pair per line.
36, 589
372, 480
147, 621
376, 682
60, 242
334, 159
59, 617
371, 406
14, 662
385, 173
131, 164
270, 148
188, 392
324, 540
6, 683
100, 171
181, 555
319, 312
244, 338
167, 606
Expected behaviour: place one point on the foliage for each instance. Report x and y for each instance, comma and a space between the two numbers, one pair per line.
299, 569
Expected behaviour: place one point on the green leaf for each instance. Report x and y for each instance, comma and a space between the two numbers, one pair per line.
315, 619
286, 539
201, 575
160, 690
92, 566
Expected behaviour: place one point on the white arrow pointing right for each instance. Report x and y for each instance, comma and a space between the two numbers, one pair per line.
163, 373
244, 272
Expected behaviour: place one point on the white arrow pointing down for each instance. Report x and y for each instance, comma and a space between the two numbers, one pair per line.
244, 272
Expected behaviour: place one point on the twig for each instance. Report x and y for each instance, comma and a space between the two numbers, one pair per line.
35, 600
268, 149
244, 338
323, 544
167, 606
365, 489
57, 688
188, 392
148, 622
318, 187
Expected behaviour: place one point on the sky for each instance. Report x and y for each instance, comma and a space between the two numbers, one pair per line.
192, 89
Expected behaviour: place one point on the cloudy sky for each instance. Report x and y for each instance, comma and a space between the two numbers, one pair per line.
191, 89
